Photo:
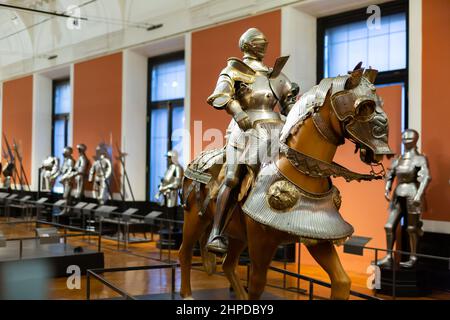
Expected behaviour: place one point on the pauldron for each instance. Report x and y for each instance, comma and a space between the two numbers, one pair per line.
319, 169
236, 70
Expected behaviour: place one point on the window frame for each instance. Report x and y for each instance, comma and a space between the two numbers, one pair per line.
385, 77
59, 116
169, 104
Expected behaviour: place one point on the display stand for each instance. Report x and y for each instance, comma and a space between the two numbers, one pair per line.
400, 282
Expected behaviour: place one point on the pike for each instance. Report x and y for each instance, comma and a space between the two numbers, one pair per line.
121, 158
22, 170
12, 160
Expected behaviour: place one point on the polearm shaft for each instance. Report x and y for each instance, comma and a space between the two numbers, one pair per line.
122, 161
22, 170
13, 161
5, 155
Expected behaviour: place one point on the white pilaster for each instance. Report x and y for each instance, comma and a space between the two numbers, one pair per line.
415, 67
134, 125
41, 125
298, 39
187, 98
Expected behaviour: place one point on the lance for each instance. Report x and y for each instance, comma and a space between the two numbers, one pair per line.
13, 161
121, 158
22, 170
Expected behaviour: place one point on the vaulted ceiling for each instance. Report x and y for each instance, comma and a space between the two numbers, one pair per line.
25, 34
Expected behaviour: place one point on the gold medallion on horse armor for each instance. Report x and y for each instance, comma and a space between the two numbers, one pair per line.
282, 195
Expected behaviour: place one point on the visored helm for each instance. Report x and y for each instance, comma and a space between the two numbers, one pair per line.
67, 151
253, 43
172, 155
409, 138
81, 147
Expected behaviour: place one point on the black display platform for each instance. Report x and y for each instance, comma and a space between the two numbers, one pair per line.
408, 282
169, 239
57, 256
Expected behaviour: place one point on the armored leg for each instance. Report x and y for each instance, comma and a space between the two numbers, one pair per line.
414, 232
390, 228
217, 242
79, 186
103, 196
7, 183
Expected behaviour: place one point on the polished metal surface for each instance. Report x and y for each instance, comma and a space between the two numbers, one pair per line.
248, 93
308, 216
80, 171
319, 169
66, 172
49, 173
412, 174
356, 105
171, 181
100, 175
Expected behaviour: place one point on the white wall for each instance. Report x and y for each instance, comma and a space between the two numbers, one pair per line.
298, 39
187, 99
415, 68
42, 125
134, 124
1, 122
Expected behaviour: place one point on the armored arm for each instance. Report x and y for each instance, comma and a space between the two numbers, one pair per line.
223, 97
54, 173
423, 177
67, 170
389, 178
91, 172
107, 168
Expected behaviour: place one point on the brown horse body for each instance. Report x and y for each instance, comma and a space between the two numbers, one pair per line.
262, 240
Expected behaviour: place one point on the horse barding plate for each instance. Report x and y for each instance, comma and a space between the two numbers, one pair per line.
278, 203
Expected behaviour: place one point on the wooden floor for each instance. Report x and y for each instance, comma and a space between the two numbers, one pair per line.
141, 283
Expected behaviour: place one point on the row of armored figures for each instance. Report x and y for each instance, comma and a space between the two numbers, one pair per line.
73, 173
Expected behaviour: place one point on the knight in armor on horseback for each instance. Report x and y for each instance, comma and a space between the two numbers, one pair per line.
248, 90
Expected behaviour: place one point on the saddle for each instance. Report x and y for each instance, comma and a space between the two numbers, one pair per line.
210, 166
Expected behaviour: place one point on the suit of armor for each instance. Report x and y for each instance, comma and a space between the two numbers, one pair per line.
413, 176
8, 172
80, 171
66, 172
100, 175
50, 171
249, 91
171, 182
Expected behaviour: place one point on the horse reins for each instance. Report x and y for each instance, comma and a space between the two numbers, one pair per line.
320, 169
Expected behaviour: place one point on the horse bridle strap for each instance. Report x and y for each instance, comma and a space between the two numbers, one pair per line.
319, 169
325, 130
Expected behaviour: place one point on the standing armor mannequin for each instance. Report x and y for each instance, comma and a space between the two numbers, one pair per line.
248, 91
50, 171
171, 182
413, 176
100, 175
66, 172
8, 172
80, 171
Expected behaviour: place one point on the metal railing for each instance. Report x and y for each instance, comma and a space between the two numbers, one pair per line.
325, 284
170, 223
95, 273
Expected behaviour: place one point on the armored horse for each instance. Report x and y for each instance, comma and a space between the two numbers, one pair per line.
290, 197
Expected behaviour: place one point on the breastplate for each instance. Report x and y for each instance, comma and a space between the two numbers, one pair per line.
169, 175
406, 171
100, 168
257, 98
406, 174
